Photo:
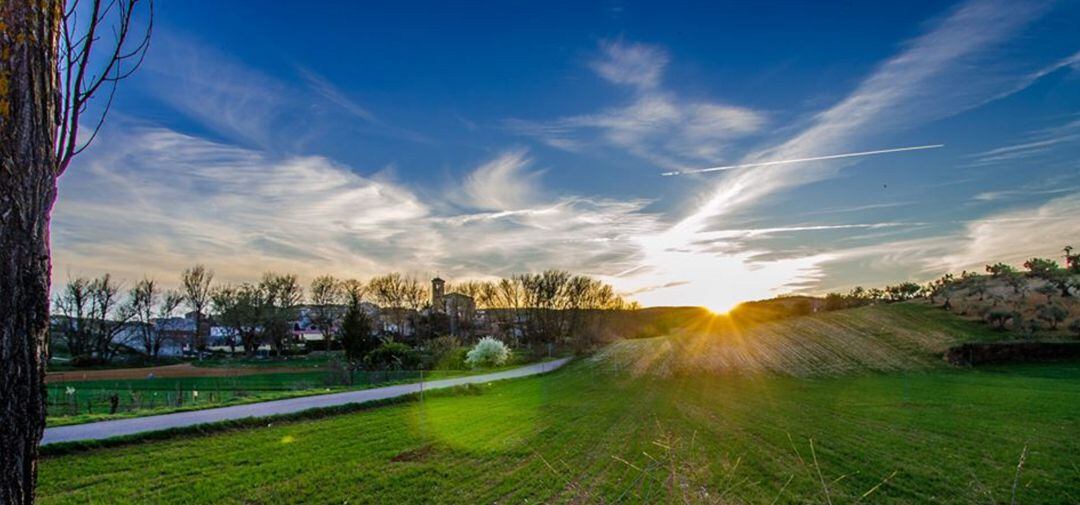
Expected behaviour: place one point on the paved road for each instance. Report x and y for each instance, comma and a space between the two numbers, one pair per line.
120, 427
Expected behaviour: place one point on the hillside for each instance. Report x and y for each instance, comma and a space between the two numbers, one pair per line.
887, 337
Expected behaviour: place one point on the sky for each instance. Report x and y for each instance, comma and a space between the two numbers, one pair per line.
481, 140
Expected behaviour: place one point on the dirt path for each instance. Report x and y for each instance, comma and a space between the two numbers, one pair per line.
168, 371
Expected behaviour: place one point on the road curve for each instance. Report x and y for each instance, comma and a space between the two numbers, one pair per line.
120, 427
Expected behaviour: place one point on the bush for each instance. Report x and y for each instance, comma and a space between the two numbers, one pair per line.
1053, 315
1041, 267
392, 356
487, 352
444, 353
1074, 327
998, 317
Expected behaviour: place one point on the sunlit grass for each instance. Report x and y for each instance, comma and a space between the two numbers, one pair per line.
637, 426
589, 435
879, 338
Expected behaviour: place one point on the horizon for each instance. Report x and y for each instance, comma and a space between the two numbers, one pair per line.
357, 141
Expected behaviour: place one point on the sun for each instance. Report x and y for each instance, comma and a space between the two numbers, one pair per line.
722, 308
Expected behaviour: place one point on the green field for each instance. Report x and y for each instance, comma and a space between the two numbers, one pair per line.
594, 432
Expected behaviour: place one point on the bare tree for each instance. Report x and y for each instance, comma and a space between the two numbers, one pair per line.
48, 77
282, 294
94, 315
170, 301
327, 298
241, 309
148, 305
73, 304
195, 283
143, 298
389, 292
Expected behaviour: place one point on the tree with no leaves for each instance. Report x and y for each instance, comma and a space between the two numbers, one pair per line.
54, 59
327, 297
282, 293
195, 283
147, 304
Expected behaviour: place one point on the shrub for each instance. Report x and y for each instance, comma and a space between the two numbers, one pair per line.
1052, 314
998, 317
487, 352
1041, 267
1000, 269
444, 353
1074, 327
391, 356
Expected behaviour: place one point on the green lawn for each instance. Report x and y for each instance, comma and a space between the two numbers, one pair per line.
587, 434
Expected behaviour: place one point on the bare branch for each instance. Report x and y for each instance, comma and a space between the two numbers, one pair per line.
81, 50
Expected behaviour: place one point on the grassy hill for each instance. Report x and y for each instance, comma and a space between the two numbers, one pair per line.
902, 336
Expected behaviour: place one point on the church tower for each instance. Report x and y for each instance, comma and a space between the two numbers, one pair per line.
438, 287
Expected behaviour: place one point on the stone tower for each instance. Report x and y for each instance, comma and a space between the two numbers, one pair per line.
438, 287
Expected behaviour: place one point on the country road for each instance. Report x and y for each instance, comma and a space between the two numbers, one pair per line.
120, 427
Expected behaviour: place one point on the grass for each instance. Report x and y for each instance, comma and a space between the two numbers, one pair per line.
590, 435
911, 431
883, 338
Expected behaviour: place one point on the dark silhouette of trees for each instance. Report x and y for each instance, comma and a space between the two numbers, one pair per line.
355, 330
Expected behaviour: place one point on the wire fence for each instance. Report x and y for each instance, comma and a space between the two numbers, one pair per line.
66, 399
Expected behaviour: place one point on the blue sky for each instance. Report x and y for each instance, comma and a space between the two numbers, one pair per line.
483, 140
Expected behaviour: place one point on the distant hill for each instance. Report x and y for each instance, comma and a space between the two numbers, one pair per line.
1028, 306
885, 337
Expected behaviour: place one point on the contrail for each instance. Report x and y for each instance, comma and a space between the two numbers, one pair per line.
801, 160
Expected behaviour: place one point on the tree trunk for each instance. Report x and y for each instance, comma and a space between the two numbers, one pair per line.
28, 118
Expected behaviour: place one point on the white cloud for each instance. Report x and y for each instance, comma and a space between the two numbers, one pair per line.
656, 125
1011, 236
152, 201
1016, 235
919, 84
331, 93
1036, 144
638, 65
251, 107
502, 183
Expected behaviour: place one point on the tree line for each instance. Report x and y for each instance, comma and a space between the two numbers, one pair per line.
100, 318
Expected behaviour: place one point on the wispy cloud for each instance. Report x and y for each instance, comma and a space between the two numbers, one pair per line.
1037, 144
917, 85
151, 200
331, 93
1016, 235
502, 183
1011, 236
253, 108
912, 87
657, 125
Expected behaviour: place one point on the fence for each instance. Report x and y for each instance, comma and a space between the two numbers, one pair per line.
119, 396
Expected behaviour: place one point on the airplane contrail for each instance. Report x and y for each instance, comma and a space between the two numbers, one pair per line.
801, 160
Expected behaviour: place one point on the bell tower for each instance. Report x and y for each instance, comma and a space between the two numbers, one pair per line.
438, 287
